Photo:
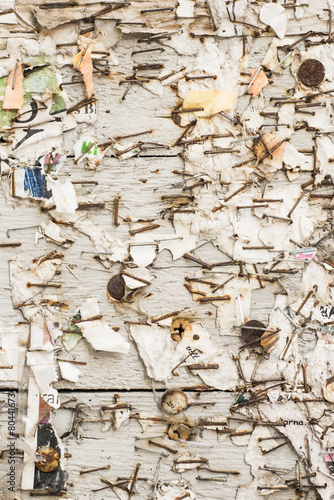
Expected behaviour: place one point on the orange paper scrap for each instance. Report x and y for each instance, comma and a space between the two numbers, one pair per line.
83, 62
13, 98
260, 81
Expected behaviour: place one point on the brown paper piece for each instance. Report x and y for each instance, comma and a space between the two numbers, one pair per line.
86, 68
271, 140
260, 81
14, 97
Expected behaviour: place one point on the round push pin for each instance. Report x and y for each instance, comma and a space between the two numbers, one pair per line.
311, 73
252, 331
174, 401
51, 461
116, 288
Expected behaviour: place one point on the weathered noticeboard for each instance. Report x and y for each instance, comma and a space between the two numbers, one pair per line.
166, 249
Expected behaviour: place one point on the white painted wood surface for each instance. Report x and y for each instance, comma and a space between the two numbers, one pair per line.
140, 182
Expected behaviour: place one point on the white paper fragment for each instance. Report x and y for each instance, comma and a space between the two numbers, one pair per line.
114, 247
64, 195
39, 335
185, 8
178, 246
125, 151
42, 366
69, 371
139, 277
52, 232
89, 308
103, 338
301, 435
293, 159
173, 489
274, 15
143, 255
121, 416
154, 344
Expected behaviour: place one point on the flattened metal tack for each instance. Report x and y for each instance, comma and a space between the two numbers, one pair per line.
311, 73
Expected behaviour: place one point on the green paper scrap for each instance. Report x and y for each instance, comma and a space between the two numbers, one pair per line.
39, 82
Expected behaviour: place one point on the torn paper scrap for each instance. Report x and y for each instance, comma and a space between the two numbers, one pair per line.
103, 338
174, 489
211, 101
52, 232
86, 148
271, 60
304, 253
83, 62
70, 339
185, 8
154, 344
52, 162
137, 278
30, 182
64, 196
89, 308
259, 82
178, 246
69, 371
14, 96
40, 338
274, 15
43, 368
117, 250
143, 255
